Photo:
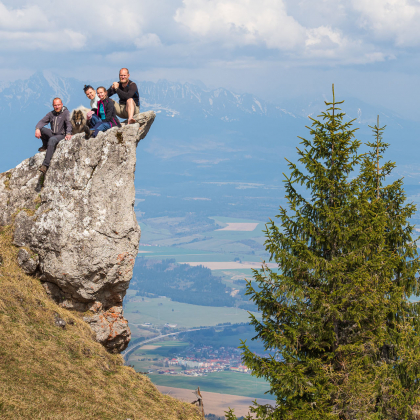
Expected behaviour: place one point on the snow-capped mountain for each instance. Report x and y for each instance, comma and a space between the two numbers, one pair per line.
175, 100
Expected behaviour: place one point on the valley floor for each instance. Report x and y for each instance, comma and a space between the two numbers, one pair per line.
215, 403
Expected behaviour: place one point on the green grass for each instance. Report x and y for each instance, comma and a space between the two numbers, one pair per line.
183, 314
222, 382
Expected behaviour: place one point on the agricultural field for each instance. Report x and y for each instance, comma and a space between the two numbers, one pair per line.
232, 383
194, 235
229, 247
159, 311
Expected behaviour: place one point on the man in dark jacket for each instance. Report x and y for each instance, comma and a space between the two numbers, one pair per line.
59, 120
128, 93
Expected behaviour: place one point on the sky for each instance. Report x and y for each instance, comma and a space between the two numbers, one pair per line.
277, 49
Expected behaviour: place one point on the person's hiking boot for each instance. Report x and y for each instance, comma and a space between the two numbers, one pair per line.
42, 149
43, 169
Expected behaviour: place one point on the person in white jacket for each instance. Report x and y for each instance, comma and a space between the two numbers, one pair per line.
90, 92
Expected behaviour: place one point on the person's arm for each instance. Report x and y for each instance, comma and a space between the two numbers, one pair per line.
109, 111
132, 89
41, 123
111, 91
67, 124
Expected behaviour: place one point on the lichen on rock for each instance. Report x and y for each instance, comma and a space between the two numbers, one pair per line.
79, 233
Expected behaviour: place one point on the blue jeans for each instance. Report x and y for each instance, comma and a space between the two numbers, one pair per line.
94, 120
100, 126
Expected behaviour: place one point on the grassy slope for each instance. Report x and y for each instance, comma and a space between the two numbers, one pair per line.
52, 373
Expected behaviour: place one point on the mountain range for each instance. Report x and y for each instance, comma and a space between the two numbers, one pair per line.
210, 144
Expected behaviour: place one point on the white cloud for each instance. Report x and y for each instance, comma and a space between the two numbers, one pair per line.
242, 22
26, 18
147, 41
395, 20
200, 33
74, 25
267, 23
44, 41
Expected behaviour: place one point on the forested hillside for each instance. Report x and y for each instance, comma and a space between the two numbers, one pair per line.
180, 282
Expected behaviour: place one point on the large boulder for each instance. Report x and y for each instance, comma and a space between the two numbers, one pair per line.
77, 228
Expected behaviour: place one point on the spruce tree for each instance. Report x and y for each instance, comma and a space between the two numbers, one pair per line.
336, 320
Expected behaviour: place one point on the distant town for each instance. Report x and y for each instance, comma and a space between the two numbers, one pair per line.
201, 360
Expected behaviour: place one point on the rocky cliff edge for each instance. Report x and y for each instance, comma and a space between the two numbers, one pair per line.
76, 229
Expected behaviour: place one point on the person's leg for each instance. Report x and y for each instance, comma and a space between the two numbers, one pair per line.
102, 126
52, 144
119, 110
130, 107
46, 133
94, 120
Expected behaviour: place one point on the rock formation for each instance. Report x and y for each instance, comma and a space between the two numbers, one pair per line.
77, 229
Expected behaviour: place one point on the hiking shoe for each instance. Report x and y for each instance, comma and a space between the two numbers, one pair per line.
43, 169
42, 149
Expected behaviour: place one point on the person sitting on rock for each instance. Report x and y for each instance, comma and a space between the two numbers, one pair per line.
91, 94
105, 116
128, 93
59, 120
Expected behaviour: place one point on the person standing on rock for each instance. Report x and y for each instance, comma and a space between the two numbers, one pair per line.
59, 120
128, 93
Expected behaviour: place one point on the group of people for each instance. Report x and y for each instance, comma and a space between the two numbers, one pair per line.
102, 116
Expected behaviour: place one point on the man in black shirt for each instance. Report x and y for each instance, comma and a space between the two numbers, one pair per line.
128, 93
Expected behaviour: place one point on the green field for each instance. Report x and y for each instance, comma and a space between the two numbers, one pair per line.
184, 315
144, 360
196, 246
222, 382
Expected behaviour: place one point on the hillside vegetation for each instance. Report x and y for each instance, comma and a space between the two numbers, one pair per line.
50, 372
181, 283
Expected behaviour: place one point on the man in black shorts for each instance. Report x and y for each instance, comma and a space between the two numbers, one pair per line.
129, 103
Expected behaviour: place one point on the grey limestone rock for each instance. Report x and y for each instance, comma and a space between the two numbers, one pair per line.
28, 261
81, 225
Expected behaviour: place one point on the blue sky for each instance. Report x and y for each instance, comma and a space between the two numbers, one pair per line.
277, 49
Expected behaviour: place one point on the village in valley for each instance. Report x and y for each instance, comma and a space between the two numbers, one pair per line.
197, 361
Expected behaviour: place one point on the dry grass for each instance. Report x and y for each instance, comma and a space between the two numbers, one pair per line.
47, 372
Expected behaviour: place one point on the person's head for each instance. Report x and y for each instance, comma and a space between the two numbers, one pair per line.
124, 75
57, 104
89, 91
102, 93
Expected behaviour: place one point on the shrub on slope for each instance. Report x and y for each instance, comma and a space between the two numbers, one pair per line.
50, 372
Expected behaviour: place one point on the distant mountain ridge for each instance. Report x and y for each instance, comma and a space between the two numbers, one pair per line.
202, 135
172, 99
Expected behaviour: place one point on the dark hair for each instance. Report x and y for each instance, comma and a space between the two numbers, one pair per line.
87, 87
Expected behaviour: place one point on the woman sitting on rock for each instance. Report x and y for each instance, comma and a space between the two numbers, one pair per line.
105, 116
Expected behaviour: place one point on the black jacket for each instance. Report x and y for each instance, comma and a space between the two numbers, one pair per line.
124, 93
59, 121
110, 114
